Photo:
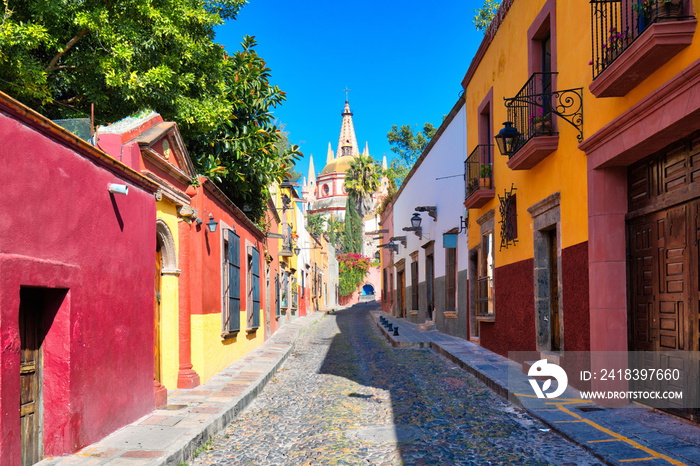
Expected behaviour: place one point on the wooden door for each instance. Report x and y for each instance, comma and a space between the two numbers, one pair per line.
643, 321
553, 277
402, 293
661, 278
30, 376
430, 283
664, 265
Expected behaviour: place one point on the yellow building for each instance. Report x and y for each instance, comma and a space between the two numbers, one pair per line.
583, 229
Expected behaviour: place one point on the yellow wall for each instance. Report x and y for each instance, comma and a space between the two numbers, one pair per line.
505, 68
211, 354
169, 305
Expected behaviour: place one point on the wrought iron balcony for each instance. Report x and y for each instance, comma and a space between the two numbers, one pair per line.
531, 113
533, 108
632, 39
478, 176
616, 24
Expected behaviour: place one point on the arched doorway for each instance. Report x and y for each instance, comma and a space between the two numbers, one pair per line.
368, 290
165, 268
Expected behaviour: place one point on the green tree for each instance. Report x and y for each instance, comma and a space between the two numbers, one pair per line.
352, 236
352, 270
335, 230
315, 224
61, 56
362, 179
408, 146
484, 15
246, 152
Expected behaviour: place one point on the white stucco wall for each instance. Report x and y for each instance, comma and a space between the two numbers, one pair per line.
424, 188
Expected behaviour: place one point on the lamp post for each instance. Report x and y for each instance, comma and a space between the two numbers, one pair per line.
508, 139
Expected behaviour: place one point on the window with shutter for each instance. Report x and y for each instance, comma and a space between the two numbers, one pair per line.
233, 262
255, 284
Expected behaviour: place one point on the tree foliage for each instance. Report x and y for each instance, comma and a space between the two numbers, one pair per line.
61, 56
335, 229
315, 224
408, 146
362, 179
484, 15
247, 152
352, 236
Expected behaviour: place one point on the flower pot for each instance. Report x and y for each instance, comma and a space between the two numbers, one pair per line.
543, 127
670, 11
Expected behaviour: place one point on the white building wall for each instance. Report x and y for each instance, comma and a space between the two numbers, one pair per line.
428, 187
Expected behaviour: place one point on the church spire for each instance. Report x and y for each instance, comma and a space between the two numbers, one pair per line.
347, 143
329, 154
312, 171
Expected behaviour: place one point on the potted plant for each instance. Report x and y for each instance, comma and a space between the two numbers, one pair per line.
669, 10
541, 122
653, 10
472, 186
485, 171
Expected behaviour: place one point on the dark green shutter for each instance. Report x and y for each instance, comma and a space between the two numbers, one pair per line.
234, 281
256, 288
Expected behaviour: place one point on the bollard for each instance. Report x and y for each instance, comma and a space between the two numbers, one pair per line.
390, 327
396, 331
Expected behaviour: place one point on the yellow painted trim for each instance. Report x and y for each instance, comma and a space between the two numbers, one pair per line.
560, 406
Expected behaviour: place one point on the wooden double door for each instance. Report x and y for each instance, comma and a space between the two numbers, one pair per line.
664, 267
664, 309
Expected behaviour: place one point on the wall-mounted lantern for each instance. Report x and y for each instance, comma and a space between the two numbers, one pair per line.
508, 139
212, 224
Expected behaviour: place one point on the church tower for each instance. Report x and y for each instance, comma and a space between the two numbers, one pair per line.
330, 195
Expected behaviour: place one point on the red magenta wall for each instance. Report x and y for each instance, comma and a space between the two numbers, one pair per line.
514, 327
61, 228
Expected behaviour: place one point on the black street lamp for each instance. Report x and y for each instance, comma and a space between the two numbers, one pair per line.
508, 139
416, 220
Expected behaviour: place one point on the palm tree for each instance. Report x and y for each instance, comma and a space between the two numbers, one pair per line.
362, 179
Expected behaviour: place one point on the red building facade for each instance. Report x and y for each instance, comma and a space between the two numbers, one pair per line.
76, 293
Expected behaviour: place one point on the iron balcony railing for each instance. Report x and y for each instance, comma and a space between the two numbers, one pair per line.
531, 108
616, 24
535, 108
478, 169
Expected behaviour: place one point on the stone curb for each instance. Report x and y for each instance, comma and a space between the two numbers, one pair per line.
493, 370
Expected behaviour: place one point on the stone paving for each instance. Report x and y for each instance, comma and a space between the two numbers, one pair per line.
346, 397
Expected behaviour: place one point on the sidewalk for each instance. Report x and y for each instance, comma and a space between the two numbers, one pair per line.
615, 435
172, 435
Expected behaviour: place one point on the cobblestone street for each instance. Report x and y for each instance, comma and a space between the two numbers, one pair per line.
346, 397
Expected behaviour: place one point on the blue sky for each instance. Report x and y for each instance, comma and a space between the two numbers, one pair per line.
402, 61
